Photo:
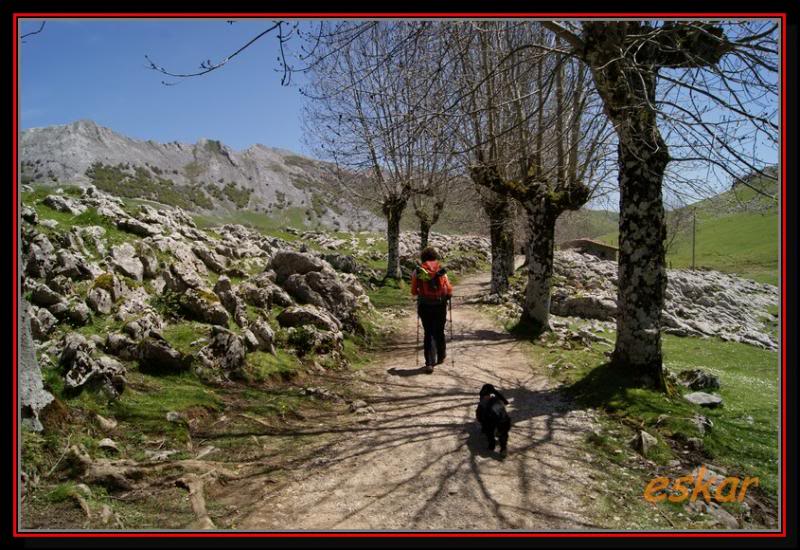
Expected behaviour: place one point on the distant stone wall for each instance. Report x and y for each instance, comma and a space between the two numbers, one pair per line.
595, 248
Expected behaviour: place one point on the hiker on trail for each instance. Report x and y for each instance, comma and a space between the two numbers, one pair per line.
433, 290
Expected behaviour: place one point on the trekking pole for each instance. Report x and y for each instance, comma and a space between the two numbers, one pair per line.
452, 357
417, 344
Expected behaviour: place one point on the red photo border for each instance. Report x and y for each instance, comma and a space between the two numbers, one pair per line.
312, 534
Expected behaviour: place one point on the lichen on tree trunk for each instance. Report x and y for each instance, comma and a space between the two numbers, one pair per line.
393, 210
642, 269
424, 233
541, 233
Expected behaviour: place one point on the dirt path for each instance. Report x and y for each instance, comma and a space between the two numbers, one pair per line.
421, 462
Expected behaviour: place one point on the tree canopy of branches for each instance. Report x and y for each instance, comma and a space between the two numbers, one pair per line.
534, 131
373, 113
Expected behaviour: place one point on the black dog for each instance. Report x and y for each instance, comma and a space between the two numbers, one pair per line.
492, 416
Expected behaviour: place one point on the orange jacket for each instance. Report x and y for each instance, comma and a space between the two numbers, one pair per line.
424, 289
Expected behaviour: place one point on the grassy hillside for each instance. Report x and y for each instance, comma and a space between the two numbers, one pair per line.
585, 223
737, 232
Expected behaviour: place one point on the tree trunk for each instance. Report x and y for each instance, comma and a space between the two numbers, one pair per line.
501, 235
541, 231
642, 278
393, 211
424, 233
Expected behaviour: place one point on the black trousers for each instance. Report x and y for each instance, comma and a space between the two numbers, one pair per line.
433, 319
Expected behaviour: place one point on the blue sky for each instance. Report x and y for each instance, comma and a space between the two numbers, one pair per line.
96, 69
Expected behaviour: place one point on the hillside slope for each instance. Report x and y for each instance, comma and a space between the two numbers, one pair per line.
737, 232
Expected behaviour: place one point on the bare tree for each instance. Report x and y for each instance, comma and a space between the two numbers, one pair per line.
678, 219
673, 78
428, 199
434, 164
366, 115
536, 136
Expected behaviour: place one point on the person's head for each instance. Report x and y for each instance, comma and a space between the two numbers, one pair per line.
428, 253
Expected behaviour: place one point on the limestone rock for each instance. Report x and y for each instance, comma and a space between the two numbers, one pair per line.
643, 442
138, 328
699, 379
204, 306
132, 225
342, 262
99, 300
286, 262
42, 323
32, 395
308, 315
120, 345
126, 262
224, 355
703, 399
230, 300
64, 204
42, 295
79, 314
264, 335
157, 356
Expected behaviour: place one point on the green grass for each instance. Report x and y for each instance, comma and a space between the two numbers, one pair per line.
181, 335
66, 221
143, 408
744, 438
392, 293
62, 492
743, 243
262, 366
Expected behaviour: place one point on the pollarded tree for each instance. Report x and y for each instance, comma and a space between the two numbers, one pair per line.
538, 137
366, 113
681, 77
428, 200
434, 163
470, 75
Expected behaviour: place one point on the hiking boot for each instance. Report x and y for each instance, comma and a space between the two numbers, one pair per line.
429, 369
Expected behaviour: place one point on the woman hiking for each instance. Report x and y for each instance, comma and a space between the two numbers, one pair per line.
433, 290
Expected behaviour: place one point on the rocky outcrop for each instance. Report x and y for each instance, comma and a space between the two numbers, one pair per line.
698, 303
99, 300
204, 306
126, 262
264, 335
42, 323
311, 280
65, 204
32, 395
83, 365
157, 356
156, 272
286, 263
223, 357
308, 315
342, 262
230, 300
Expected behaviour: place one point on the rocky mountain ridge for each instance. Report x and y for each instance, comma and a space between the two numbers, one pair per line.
204, 176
